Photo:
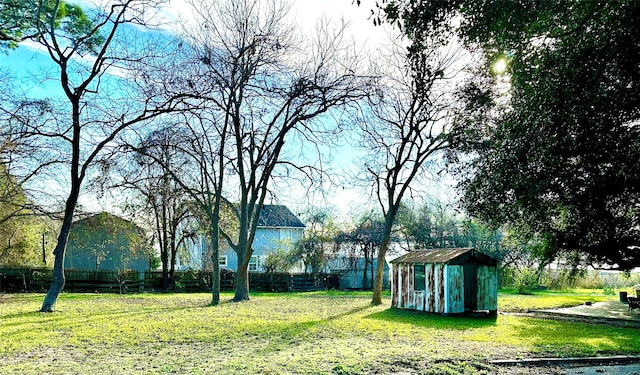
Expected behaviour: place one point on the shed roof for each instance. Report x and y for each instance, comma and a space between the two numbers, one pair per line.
273, 215
106, 219
464, 255
103, 216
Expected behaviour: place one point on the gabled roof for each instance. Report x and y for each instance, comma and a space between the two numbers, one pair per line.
101, 216
464, 255
106, 219
273, 215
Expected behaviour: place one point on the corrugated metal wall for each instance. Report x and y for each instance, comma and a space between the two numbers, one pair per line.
455, 289
444, 288
487, 288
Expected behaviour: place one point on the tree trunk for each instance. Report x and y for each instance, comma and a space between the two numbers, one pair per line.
172, 262
165, 268
377, 287
215, 284
215, 275
57, 284
371, 278
244, 252
164, 247
364, 271
382, 254
242, 281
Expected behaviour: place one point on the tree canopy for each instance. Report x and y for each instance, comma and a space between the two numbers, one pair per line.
556, 154
21, 20
20, 228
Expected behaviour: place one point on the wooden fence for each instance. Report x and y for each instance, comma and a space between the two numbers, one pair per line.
39, 280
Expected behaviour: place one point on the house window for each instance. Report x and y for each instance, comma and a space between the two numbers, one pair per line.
222, 260
286, 234
254, 263
418, 277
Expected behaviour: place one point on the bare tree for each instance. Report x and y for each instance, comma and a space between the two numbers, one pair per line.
16, 192
103, 95
366, 240
406, 126
272, 85
198, 142
163, 203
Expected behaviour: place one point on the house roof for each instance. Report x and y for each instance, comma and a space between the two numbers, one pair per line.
273, 215
104, 218
464, 255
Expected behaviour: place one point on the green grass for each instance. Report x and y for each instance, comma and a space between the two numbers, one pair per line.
314, 333
510, 301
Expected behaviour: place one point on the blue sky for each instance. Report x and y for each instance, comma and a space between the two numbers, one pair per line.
30, 67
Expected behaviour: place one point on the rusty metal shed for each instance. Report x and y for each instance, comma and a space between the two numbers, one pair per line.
447, 281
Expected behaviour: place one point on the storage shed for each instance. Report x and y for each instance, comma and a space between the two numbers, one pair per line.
447, 281
105, 242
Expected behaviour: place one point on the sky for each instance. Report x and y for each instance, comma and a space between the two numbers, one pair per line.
27, 64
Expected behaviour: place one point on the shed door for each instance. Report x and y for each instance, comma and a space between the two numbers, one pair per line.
470, 286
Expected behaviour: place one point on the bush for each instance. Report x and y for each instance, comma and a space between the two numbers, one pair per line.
525, 280
591, 280
277, 262
562, 279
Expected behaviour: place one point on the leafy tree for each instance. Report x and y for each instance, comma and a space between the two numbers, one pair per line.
318, 242
435, 225
561, 164
23, 225
21, 231
556, 157
279, 261
366, 242
431, 225
21, 20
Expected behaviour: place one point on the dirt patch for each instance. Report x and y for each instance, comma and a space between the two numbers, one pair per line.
604, 370
622, 365
433, 367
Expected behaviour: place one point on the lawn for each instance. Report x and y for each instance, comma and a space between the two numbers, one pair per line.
312, 333
510, 301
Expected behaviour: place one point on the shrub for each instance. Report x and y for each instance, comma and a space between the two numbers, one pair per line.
277, 262
525, 280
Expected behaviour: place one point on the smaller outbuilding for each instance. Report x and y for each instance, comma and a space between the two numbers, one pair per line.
105, 242
448, 281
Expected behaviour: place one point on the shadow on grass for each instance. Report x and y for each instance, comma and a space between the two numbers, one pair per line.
322, 294
565, 338
430, 320
28, 318
329, 319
